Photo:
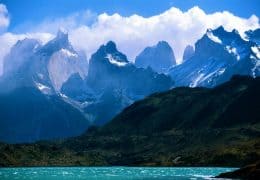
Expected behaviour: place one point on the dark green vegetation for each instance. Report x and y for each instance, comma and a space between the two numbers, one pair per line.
251, 171
181, 127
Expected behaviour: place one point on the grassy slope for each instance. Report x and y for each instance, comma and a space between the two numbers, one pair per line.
190, 127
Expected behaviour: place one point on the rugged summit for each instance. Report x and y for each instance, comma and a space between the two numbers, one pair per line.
218, 56
115, 83
159, 57
254, 35
31, 106
59, 76
188, 53
45, 67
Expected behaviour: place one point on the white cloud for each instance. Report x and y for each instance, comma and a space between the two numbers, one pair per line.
132, 34
44, 31
4, 18
70, 22
9, 39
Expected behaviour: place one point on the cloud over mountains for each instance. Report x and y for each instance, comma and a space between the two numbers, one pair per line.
4, 18
132, 33
135, 32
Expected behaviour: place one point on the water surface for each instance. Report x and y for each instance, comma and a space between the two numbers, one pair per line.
110, 173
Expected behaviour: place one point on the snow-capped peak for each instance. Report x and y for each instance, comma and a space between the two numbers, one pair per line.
109, 51
61, 41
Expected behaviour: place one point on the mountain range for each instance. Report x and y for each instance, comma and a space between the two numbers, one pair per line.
180, 127
58, 93
218, 56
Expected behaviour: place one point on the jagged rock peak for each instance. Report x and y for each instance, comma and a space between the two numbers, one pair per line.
111, 45
253, 35
226, 36
61, 41
62, 35
159, 57
26, 44
110, 51
188, 53
163, 44
62, 32
219, 29
26, 41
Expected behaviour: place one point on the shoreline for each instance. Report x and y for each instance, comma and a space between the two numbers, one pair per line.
121, 166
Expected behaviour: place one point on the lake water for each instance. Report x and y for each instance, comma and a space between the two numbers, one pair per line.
109, 173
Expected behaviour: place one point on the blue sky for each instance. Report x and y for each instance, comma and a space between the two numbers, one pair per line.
34, 11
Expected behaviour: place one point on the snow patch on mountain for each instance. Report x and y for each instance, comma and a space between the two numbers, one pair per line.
68, 53
255, 69
233, 50
213, 37
219, 55
256, 51
63, 64
112, 60
197, 80
44, 89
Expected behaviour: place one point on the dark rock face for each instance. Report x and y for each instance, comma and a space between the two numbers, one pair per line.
188, 53
112, 84
105, 66
114, 80
159, 57
76, 88
27, 115
110, 103
218, 56
250, 172
60, 41
254, 35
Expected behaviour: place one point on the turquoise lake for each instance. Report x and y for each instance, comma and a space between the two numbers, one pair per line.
110, 173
